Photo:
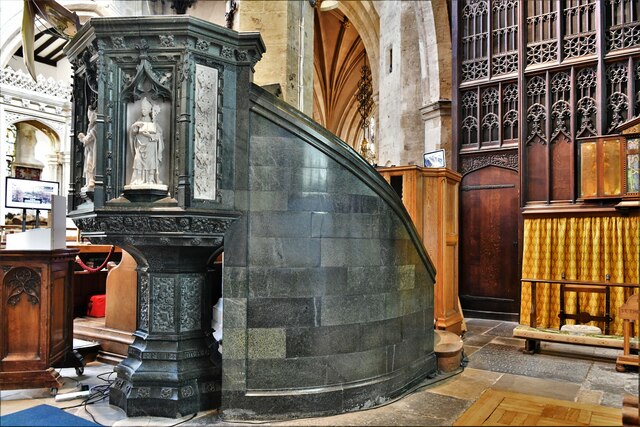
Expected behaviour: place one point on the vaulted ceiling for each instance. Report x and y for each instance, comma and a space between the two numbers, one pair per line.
338, 57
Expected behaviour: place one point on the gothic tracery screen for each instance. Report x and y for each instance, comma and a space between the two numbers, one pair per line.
574, 64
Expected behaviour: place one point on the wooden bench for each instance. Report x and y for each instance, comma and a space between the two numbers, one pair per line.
533, 338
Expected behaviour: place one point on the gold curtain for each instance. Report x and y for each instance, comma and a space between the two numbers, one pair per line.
584, 249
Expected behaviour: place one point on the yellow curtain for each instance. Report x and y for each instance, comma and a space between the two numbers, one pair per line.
584, 249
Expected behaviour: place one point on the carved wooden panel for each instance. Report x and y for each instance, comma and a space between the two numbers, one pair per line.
617, 100
542, 43
21, 305
561, 175
490, 116
536, 109
504, 33
489, 233
580, 28
587, 109
510, 112
475, 39
623, 24
469, 127
536, 172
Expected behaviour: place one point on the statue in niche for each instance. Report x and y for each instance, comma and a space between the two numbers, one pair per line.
89, 142
147, 145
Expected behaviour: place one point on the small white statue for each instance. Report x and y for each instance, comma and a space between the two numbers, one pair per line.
89, 142
147, 145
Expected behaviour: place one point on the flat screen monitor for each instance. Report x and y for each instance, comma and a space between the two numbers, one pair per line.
29, 194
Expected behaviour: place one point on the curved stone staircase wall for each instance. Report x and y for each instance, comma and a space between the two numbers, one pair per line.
328, 291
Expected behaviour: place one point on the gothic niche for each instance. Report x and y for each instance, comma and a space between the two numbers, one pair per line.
147, 95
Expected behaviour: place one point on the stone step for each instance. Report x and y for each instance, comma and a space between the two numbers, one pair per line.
114, 344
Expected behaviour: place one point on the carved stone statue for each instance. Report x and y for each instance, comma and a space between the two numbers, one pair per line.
89, 142
147, 146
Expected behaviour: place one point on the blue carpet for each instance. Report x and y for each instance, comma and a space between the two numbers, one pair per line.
43, 415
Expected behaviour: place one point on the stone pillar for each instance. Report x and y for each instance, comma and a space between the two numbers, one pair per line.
437, 121
173, 366
287, 30
25, 151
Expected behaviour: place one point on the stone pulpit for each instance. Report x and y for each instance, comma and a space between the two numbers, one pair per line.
158, 105
326, 287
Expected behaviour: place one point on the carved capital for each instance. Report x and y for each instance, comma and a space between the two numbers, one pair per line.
440, 108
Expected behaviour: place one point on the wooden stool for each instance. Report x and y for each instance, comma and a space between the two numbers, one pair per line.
583, 317
629, 313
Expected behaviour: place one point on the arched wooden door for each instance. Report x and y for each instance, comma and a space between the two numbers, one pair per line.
489, 266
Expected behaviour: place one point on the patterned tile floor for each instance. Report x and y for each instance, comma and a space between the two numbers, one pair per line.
563, 372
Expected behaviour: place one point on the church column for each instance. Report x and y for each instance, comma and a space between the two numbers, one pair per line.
437, 119
25, 164
287, 30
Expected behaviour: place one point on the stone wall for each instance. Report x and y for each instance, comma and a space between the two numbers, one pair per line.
328, 302
288, 60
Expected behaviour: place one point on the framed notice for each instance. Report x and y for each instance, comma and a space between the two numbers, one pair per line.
434, 159
28, 194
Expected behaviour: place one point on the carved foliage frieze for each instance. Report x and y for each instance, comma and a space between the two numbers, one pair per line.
190, 299
23, 280
508, 160
163, 304
147, 225
143, 321
206, 127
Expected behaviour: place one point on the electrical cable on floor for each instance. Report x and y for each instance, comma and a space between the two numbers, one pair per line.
98, 393
417, 387
184, 421
92, 417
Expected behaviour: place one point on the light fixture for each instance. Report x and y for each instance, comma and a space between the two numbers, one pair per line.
326, 5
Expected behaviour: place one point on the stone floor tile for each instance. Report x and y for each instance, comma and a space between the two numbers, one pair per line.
508, 359
469, 349
603, 376
591, 397
476, 339
469, 385
542, 387
504, 329
515, 342
481, 325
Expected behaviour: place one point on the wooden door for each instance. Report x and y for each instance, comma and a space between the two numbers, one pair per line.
489, 269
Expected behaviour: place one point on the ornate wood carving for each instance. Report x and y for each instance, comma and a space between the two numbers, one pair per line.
586, 82
580, 28
536, 112
561, 109
508, 160
470, 118
23, 280
505, 37
490, 118
623, 24
475, 40
510, 109
541, 23
617, 101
